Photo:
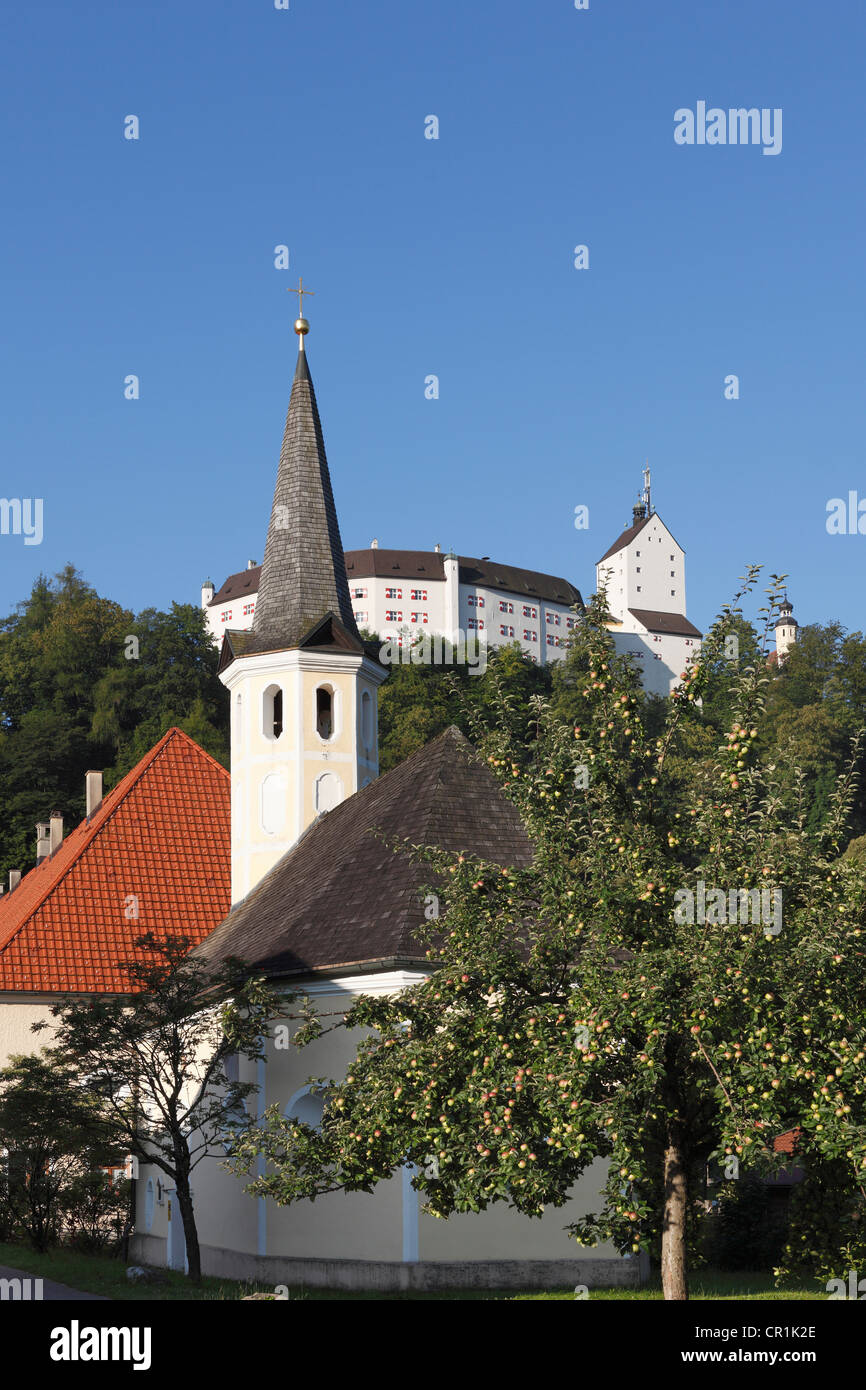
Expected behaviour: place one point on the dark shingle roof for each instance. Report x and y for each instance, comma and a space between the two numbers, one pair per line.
406, 564
631, 532
672, 623
342, 896
625, 539
484, 573
427, 565
239, 585
303, 575
489, 574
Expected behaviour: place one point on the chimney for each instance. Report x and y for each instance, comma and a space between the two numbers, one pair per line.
251, 564
93, 792
374, 545
56, 831
14, 879
43, 841
437, 549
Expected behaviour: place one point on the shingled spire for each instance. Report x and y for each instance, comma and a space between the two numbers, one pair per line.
303, 582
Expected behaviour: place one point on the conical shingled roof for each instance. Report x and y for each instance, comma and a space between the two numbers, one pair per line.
303, 576
342, 897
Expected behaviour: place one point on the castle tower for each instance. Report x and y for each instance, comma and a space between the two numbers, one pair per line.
644, 577
786, 629
303, 687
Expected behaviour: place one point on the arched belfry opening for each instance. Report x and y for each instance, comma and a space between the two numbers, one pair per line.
324, 711
272, 712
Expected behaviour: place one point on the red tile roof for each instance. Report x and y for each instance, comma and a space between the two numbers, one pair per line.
787, 1143
161, 840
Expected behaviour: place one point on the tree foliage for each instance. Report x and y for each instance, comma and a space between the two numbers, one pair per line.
419, 700
75, 695
52, 1134
157, 1059
577, 1009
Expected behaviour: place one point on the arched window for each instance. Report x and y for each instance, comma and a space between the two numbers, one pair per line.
149, 1204
366, 719
236, 1115
272, 712
238, 735
236, 1120
324, 711
308, 1106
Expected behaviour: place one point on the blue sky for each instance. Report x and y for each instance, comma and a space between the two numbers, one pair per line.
452, 257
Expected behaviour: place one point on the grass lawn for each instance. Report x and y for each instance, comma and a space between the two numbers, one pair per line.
99, 1274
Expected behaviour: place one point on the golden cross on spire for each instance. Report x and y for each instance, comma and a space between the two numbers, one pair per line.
300, 292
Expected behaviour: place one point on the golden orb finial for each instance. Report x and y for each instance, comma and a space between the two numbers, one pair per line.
301, 325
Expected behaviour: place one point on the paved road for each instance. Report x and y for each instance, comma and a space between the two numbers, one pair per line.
51, 1291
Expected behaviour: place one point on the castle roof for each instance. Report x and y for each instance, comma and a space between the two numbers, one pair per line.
427, 566
625, 539
670, 624
346, 896
237, 586
158, 846
631, 533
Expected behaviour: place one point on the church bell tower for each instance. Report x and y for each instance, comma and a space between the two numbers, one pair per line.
302, 684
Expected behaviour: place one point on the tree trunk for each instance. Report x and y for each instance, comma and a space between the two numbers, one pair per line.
674, 1278
184, 1201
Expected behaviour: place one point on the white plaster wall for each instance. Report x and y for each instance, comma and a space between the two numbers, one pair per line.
17, 1013
384, 1225
643, 574
662, 661
500, 1231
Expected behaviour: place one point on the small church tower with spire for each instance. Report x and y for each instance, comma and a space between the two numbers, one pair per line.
303, 687
786, 629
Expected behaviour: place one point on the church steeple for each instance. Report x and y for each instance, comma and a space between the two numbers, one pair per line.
303, 686
303, 575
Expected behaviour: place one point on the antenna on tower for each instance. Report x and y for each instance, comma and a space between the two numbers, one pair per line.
647, 501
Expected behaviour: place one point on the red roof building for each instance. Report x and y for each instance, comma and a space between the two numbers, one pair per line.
154, 856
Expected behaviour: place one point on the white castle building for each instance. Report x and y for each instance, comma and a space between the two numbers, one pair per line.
401, 595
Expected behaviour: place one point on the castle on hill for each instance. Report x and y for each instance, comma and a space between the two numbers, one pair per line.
402, 595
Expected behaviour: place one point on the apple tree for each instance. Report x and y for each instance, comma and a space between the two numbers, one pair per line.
677, 978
